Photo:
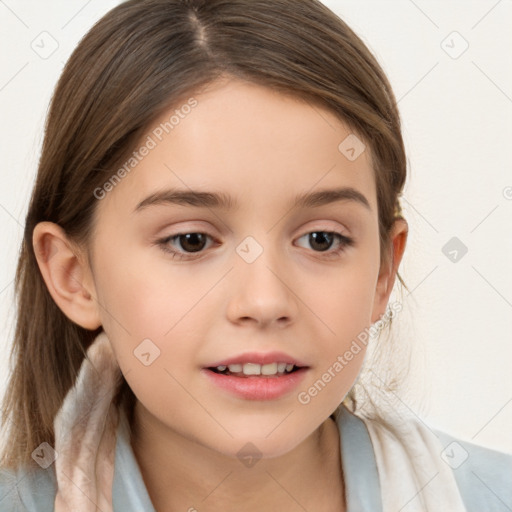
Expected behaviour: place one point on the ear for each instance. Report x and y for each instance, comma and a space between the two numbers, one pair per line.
389, 268
67, 274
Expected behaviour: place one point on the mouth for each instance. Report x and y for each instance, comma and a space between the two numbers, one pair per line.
251, 381
257, 375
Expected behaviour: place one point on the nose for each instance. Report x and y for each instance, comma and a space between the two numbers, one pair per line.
262, 293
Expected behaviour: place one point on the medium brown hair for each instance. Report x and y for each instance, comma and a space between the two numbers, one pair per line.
139, 60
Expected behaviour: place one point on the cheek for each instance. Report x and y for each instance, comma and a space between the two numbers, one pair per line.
344, 306
151, 316
145, 295
344, 301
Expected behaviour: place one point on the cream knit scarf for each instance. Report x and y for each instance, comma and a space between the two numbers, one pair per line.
413, 477
85, 434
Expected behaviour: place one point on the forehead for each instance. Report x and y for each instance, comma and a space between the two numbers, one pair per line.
249, 141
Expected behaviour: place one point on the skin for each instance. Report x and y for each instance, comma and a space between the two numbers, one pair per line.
262, 148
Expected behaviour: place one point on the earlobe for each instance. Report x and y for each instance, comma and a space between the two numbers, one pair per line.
67, 274
387, 274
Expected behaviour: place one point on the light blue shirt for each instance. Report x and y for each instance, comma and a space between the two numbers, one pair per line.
484, 479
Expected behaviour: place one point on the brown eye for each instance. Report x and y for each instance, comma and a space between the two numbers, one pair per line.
321, 240
192, 242
183, 245
324, 241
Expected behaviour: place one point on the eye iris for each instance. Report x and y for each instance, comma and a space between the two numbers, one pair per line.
190, 241
321, 238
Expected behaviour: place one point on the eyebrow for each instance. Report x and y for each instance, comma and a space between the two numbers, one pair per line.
224, 201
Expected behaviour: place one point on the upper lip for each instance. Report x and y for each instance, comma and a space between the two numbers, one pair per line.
258, 358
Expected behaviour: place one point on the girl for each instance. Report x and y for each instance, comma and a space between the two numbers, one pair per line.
214, 233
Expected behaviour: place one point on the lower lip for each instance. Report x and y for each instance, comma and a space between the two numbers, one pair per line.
256, 387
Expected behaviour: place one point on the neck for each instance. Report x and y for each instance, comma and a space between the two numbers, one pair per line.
181, 474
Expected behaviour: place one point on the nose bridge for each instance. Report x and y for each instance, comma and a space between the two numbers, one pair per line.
261, 289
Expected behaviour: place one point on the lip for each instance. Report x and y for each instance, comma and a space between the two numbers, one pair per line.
258, 358
257, 387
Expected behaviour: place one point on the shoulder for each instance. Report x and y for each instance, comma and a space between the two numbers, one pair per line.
27, 490
9, 497
483, 475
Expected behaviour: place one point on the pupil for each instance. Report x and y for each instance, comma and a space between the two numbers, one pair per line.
190, 241
322, 239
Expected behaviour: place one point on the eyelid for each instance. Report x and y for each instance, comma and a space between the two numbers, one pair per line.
327, 226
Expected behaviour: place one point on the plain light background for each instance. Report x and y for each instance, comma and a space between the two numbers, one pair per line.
449, 63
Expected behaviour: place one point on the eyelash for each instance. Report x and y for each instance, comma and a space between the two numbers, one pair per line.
344, 243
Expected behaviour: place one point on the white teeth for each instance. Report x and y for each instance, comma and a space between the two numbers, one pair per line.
269, 369
252, 369
257, 369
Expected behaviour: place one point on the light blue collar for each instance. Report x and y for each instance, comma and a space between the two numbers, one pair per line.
362, 487
129, 492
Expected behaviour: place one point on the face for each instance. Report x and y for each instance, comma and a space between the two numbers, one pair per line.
185, 285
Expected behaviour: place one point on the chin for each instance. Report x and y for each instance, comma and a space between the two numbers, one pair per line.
248, 451
262, 445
